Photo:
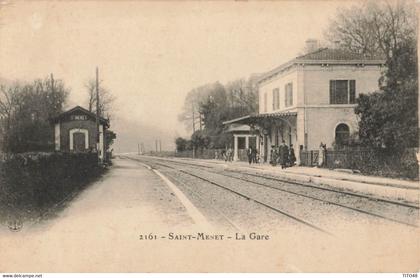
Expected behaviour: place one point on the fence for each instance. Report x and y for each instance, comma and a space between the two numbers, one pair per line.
201, 153
211, 154
398, 165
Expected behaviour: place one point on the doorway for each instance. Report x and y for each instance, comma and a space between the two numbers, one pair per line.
79, 142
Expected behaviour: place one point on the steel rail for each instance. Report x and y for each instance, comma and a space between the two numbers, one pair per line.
306, 196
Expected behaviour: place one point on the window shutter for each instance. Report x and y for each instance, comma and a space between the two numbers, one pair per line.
332, 90
265, 102
352, 91
274, 100
291, 95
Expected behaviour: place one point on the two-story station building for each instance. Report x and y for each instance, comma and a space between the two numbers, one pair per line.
311, 99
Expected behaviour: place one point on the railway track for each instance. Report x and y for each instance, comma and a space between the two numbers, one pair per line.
242, 195
369, 198
249, 198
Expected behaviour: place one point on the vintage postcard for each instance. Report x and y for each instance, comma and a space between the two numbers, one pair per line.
209, 136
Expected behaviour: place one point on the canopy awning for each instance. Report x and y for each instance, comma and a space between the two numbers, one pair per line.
238, 128
257, 118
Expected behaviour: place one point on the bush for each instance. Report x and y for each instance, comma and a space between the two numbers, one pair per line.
401, 164
31, 183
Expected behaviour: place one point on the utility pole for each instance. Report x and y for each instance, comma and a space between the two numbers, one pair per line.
52, 83
156, 145
193, 119
160, 146
138, 148
97, 116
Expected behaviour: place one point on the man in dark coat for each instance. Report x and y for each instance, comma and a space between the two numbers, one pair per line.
254, 155
292, 156
273, 156
283, 154
249, 154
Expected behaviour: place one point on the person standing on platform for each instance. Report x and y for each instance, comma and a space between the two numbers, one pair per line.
249, 154
254, 155
283, 154
321, 155
292, 156
229, 154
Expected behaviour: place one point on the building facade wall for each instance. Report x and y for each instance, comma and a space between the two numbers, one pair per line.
65, 128
279, 82
321, 117
322, 122
317, 78
316, 118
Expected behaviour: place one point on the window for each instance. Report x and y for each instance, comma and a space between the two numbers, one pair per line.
265, 102
342, 134
276, 99
288, 95
342, 91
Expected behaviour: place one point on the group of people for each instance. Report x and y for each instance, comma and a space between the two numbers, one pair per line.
252, 154
227, 155
283, 155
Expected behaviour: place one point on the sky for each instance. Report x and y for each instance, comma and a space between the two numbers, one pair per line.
150, 54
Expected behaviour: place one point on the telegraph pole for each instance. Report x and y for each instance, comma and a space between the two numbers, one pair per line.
97, 116
193, 118
52, 83
138, 148
160, 146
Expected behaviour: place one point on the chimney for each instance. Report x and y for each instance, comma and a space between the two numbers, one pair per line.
311, 45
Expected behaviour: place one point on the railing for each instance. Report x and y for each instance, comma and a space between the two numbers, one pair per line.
402, 164
309, 158
211, 154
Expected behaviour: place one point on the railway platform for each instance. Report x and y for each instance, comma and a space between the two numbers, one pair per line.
395, 189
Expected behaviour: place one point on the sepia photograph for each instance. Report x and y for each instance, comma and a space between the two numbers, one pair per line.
209, 137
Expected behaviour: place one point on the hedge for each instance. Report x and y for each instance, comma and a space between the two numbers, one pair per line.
32, 183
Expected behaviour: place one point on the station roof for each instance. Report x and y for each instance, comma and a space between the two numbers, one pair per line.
238, 128
329, 56
79, 111
255, 118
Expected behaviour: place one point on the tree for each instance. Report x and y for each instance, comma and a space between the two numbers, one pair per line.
243, 96
200, 140
8, 98
208, 106
26, 111
106, 99
375, 28
388, 117
181, 144
191, 115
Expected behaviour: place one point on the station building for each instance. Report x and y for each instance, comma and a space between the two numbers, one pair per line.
311, 99
75, 131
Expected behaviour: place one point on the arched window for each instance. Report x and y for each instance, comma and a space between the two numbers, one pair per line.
342, 134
